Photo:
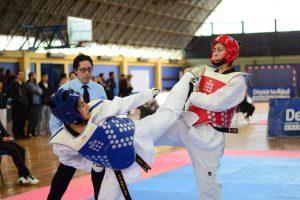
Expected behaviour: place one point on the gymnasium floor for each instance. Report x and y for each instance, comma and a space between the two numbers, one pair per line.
254, 167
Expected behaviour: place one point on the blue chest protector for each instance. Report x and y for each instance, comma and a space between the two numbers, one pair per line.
111, 144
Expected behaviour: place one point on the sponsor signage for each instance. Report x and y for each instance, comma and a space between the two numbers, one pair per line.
267, 93
284, 118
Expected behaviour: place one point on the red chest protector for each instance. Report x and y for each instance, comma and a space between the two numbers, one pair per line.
210, 82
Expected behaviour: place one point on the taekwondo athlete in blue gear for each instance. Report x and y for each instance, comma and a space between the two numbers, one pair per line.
83, 67
95, 133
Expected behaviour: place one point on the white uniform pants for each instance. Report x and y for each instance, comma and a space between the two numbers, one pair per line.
158, 123
205, 146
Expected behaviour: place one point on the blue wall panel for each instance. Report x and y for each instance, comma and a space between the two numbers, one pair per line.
33, 67
283, 77
264, 78
273, 77
13, 66
54, 72
145, 68
170, 76
70, 68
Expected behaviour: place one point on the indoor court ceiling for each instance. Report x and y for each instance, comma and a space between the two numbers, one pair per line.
155, 23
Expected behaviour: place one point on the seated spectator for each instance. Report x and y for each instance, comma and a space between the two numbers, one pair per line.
17, 152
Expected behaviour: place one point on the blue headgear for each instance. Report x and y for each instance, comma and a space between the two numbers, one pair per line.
63, 106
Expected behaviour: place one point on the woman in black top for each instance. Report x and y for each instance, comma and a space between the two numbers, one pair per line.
17, 152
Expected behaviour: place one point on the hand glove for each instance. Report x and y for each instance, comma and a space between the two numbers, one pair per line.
97, 168
197, 71
154, 91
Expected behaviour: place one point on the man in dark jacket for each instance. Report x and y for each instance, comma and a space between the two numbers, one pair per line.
111, 84
45, 110
19, 105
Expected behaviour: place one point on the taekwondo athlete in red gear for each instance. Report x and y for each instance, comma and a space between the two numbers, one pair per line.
210, 108
104, 138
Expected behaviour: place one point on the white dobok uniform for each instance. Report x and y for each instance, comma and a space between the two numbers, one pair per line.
66, 146
208, 105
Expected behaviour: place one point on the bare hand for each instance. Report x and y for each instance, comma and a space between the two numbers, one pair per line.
7, 139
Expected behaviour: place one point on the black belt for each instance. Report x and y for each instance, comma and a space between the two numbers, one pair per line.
121, 180
226, 130
142, 163
122, 184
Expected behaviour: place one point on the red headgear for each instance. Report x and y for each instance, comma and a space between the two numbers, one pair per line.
232, 48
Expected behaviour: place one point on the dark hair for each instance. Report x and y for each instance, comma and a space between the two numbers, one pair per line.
101, 74
7, 72
72, 72
17, 71
79, 58
111, 73
30, 74
63, 76
44, 73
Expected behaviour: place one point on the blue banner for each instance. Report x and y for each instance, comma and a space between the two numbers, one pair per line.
267, 93
284, 118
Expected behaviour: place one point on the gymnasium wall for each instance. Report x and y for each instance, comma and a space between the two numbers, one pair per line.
35, 62
170, 76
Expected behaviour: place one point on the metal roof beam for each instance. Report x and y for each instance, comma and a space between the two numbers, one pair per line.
144, 10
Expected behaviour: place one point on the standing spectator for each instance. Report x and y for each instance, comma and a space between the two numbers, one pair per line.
62, 80
101, 81
3, 110
9, 79
2, 77
129, 86
83, 67
72, 75
19, 105
45, 110
111, 85
34, 93
123, 86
